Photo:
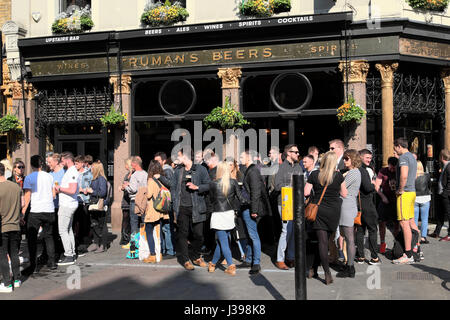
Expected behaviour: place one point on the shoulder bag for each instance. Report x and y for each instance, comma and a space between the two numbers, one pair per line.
312, 208
358, 216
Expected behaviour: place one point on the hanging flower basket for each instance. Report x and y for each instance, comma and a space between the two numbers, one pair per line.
350, 112
264, 8
113, 118
159, 14
10, 124
432, 5
79, 21
225, 117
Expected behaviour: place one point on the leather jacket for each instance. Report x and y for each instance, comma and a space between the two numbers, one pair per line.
220, 202
423, 185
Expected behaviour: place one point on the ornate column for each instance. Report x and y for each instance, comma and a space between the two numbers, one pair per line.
122, 145
356, 77
387, 70
230, 84
445, 74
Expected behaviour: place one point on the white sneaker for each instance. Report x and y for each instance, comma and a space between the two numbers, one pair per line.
17, 283
23, 260
404, 260
4, 289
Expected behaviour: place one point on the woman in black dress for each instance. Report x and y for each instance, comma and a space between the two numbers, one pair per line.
329, 211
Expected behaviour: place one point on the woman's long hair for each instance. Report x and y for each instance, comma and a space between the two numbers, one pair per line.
354, 157
97, 170
327, 168
154, 168
420, 170
224, 173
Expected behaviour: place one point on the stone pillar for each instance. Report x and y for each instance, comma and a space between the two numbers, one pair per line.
122, 146
387, 70
446, 78
23, 148
356, 77
230, 85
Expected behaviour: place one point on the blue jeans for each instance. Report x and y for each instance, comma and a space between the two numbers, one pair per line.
134, 219
149, 226
222, 247
286, 240
166, 237
253, 250
423, 210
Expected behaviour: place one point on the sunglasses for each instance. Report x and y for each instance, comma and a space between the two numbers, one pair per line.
331, 148
296, 152
20, 167
346, 158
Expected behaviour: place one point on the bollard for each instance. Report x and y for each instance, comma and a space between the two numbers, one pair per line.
300, 237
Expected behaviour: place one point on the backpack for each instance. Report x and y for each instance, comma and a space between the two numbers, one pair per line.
162, 203
133, 253
141, 201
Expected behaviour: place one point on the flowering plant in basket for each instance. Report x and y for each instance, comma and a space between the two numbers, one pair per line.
159, 14
113, 117
225, 117
10, 123
350, 112
77, 22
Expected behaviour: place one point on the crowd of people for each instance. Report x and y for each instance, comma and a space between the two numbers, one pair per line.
220, 208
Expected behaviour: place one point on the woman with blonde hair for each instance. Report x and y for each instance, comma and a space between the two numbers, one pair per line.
8, 168
422, 203
331, 184
126, 227
223, 191
97, 191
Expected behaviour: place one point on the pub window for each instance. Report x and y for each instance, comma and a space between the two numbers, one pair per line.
70, 6
182, 2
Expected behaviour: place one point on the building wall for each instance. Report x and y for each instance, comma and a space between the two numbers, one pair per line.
125, 15
5, 12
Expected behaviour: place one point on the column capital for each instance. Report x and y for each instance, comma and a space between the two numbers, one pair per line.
16, 88
445, 75
125, 83
230, 77
387, 70
357, 71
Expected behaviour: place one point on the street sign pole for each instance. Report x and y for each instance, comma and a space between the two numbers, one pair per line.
300, 237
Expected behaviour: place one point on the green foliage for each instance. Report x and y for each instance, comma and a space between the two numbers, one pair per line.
166, 14
436, 5
73, 24
113, 117
9, 123
225, 117
264, 8
350, 111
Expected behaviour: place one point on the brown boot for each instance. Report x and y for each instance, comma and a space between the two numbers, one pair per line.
188, 266
150, 259
199, 262
231, 270
281, 265
328, 278
211, 267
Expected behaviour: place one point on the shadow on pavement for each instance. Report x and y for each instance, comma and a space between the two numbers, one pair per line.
262, 281
443, 274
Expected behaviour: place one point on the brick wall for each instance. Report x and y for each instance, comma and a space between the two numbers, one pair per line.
5, 12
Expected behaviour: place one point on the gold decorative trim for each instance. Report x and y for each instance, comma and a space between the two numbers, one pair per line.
387, 70
230, 77
125, 83
357, 71
445, 75
16, 89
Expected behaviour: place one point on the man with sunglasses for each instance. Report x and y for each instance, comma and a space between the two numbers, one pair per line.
283, 178
337, 146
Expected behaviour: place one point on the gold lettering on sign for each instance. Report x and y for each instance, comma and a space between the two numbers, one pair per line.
194, 58
424, 49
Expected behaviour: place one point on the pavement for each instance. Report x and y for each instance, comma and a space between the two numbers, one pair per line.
110, 275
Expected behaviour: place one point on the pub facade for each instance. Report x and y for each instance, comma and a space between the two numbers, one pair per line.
290, 71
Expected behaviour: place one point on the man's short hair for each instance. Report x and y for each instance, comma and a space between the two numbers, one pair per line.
36, 161
68, 155
339, 142
162, 155
18, 162
2, 169
56, 157
363, 152
445, 154
88, 159
312, 149
309, 156
79, 158
393, 161
137, 160
401, 142
286, 149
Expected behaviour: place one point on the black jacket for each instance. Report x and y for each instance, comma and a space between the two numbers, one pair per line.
423, 185
220, 202
201, 179
166, 178
254, 186
446, 180
367, 192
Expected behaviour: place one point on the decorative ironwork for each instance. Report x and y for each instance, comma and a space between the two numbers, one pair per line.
418, 94
71, 106
373, 94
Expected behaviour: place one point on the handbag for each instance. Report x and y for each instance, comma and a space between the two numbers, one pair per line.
99, 206
223, 220
358, 215
312, 208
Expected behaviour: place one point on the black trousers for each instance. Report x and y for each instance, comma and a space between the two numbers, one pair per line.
9, 245
99, 228
369, 221
82, 225
443, 214
126, 227
184, 228
46, 221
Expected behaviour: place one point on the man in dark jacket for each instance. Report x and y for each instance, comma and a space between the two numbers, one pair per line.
444, 192
369, 215
255, 192
189, 185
